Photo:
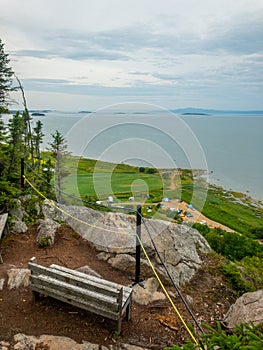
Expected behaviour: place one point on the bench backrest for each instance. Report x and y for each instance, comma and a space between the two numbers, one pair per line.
93, 290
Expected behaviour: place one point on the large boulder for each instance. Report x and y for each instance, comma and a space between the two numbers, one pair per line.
46, 232
18, 278
115, 234
17, 212
147, 292
249, 307
51, 342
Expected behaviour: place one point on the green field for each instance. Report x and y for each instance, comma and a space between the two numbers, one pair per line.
121, 185
94, 180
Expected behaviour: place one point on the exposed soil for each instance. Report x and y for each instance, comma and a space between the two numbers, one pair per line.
154, 326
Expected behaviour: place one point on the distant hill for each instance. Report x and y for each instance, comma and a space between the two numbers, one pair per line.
201, 111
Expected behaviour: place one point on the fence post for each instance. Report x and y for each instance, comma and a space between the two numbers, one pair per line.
138, 279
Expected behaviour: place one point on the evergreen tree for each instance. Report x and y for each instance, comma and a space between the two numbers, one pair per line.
37, 141
58, 148
16, 140
6, 74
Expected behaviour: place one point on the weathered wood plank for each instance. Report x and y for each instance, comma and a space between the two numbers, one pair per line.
88, 292
100, 300
75, 302
83, 282
84, 275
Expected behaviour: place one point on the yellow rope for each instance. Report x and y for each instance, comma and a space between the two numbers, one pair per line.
166, 292
73, 217
143, 249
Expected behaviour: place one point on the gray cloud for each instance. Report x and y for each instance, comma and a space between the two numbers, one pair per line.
243, 36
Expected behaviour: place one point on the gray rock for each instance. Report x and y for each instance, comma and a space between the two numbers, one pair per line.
123, 262
103, 256
249, 307
89, 271
2, 282
50, 212
46, 232
114, 233
4, 345
149, 293
129, 347
27, 342
17, 211
19, 226
18, 278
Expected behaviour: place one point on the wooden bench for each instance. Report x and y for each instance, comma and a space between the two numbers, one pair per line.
3, 229
87, 292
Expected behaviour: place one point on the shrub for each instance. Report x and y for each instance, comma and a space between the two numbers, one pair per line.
245, 337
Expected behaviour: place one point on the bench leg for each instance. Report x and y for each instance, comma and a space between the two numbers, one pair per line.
119, 325
35, 296
128, 311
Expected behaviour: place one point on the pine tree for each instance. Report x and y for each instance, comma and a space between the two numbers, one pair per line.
6, 74
37, 140
58, 148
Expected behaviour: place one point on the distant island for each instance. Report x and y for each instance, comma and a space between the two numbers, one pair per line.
85, 112
38, 114
203, 111
189, 113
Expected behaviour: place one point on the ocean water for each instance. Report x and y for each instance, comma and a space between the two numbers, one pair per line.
228, 146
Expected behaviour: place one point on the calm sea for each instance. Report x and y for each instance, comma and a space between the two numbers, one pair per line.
228, 146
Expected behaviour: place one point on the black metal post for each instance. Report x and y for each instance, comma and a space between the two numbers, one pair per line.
138, 244
22, 180
138, 279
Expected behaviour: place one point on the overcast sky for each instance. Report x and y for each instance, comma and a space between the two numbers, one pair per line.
86, 54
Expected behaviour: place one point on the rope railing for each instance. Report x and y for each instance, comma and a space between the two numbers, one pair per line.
130, 210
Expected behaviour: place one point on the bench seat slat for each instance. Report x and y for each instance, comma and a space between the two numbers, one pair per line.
79, 281
126, 290
56, 294
97, 299
84, 275
102, 297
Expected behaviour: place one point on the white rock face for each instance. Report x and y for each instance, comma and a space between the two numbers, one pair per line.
27, 342
18, 278
249, 307
115, 234
149, 293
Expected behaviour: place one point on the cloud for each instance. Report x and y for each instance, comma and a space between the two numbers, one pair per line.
241, 36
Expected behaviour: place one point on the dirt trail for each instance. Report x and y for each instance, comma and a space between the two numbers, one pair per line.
196, 216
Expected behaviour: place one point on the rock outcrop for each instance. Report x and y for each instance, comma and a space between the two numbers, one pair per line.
249, 307
18, 278
50, 342
46, 232
114, 234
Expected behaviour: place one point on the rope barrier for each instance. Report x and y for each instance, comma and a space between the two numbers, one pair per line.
141, 244
171, 278
71, 216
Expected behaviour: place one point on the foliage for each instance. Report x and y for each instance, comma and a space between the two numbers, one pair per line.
6, 74
247, 276
7, 192
245, 337
43, 241
32, 208
231, 245
58, 148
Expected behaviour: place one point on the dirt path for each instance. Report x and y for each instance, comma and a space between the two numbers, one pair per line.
18, 314
196, 216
